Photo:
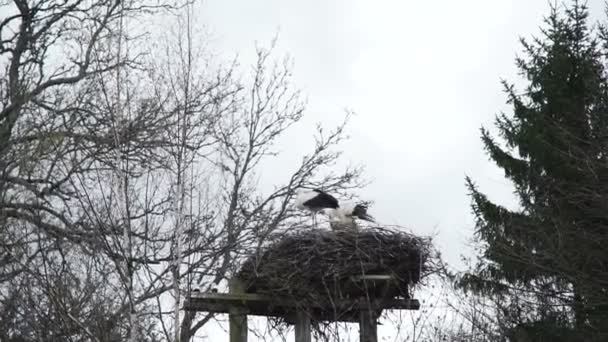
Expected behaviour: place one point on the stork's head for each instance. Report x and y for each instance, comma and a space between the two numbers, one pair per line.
358, 210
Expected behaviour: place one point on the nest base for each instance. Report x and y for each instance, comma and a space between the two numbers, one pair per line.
320, 266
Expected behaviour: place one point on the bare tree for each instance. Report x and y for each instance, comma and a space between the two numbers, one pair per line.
60, 129
124, 177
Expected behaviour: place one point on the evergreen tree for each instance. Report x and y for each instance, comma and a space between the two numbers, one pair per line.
548, 260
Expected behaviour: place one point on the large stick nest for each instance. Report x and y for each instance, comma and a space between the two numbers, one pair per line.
317, 266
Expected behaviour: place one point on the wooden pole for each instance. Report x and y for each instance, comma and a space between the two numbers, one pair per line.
302, 332
237, 319
368, 330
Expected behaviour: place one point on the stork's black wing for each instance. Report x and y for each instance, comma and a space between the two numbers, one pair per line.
322, 200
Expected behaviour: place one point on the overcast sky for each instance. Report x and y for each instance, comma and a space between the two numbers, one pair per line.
423, 76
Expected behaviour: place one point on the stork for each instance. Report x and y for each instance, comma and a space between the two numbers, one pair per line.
344, 218
315, 201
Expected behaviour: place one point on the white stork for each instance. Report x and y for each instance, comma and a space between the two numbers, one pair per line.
315, 201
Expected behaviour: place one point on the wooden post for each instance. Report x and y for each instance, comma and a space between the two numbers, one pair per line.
237, 319
368, 330
302, 332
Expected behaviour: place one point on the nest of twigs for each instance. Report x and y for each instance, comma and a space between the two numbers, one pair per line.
317, 266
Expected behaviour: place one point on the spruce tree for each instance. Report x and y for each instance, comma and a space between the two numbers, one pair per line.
548, 260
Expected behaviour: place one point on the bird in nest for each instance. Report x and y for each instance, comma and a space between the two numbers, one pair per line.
344, 218
315, 201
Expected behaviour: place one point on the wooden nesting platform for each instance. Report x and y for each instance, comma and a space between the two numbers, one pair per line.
260, 305
311, 275
364, 310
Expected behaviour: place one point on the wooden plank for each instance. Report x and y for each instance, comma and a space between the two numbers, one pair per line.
302, 331
221, 302
377, 284
372, 277
253, 304
368, 328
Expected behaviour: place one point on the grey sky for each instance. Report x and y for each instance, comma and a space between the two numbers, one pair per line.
423, 76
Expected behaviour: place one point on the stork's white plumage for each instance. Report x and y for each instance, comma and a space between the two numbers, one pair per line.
338, 220
315, 201
343, 218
